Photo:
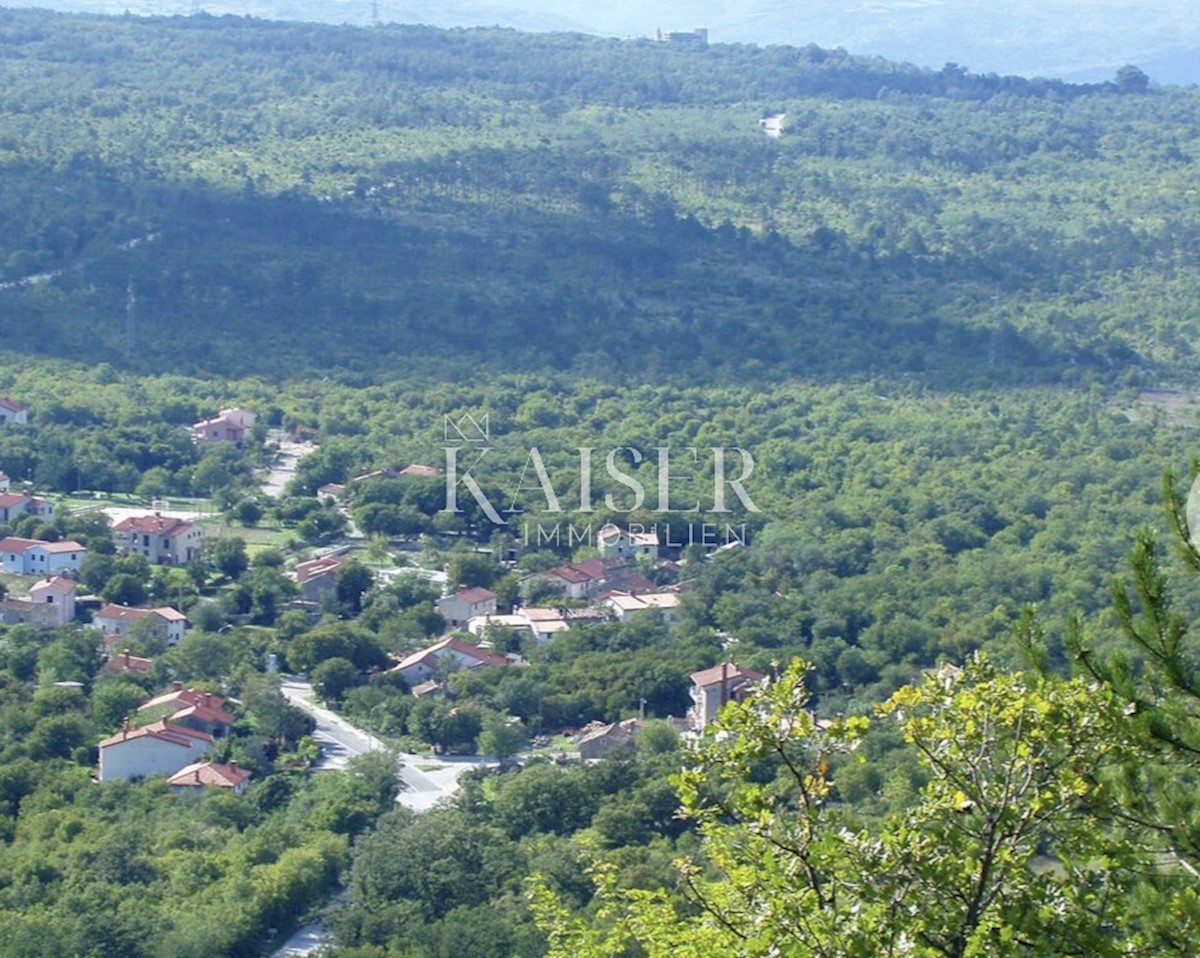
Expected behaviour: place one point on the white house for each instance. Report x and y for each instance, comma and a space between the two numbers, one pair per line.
460, 607
712, 688
617, 543
478, 625
38, 557
167, 623
162, 540
58, 593
421, 665
15, 505
12, 411
155, 749
229, 425
625, 604
202, 711
210, 775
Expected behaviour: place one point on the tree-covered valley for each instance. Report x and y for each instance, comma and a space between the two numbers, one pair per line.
949, 318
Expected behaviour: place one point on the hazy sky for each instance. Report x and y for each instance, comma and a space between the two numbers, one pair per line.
1071, 39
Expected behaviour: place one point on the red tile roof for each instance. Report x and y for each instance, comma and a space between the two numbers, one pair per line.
318, 567
127, 613
200, 774
15, 543
160, 730
12, 405
187, 700
725, 672
480, 656
154, 525
475, 595
10, 499
124, 662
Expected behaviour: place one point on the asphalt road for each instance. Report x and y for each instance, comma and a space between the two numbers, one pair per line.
423, 782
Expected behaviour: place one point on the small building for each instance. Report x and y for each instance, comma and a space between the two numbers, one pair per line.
123, 661
155, 749
39, 557
50, 604
479, 624
597, 741
698, 36
318, 577
13, 412
773, 125
712, 688
422, 665
617, 543
210, 775
465, 604
625, 604
192, 708
17, 505
165, 622
229, 425
162, 540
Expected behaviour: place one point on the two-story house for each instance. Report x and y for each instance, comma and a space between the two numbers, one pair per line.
116, 620
461, 606
162, 540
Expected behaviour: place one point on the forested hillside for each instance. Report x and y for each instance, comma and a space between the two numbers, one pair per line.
928, 314
405, 199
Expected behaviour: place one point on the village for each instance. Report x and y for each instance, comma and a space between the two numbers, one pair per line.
182, 732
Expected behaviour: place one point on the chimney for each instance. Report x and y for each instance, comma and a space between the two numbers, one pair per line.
208, 699
177, 685
125, 657
125, 728
196, 772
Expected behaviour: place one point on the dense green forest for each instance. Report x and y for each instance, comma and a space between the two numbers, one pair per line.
418, 193
950, 319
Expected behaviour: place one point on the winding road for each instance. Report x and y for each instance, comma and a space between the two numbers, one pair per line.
423, 782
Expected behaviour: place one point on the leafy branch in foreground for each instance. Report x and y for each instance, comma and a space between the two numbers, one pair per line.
1002, 854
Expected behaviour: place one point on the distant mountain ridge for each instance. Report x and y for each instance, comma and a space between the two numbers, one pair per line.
1068, 39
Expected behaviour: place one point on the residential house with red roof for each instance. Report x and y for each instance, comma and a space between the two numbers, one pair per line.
587, 578
461, 606
210, 775
162, 540
318, 577
420, 666
17, 505
229, 425
39, 557
192, 708
13, 412
116, 620
155, 749
712, 688
123, 661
